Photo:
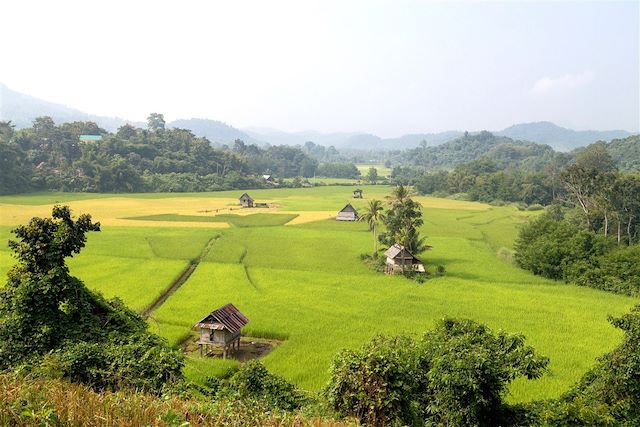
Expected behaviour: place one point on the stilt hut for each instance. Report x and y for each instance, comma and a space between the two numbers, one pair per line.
348, 213
221, 328
357, 194
399, 260
246, 201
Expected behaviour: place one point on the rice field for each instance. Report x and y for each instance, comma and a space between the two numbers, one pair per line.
297, 275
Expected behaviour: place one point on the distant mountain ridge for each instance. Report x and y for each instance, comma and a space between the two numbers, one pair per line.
560, 138
22, 109
215, 131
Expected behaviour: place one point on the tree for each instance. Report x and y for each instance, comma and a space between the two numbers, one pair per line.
155, 122
48, 317
456, 375
465, 370
372, 175
402, 221
373, 214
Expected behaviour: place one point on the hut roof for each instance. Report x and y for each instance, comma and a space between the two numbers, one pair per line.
247, 196
226, 317
396, 250
357, 190
349, 208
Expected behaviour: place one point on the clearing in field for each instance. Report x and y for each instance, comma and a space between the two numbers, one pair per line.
303, 283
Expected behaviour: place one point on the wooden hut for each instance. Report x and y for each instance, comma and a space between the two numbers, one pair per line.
246, 201
348, 213
357, 194
399, 260
221, 328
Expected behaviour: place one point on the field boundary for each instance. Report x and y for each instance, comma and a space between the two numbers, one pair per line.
179, 281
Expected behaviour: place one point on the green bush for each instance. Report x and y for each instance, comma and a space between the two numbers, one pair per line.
51, 322
609, 394
254, 382
456, 375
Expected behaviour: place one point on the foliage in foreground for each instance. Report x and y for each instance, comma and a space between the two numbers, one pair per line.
456, 375
609, 394
38, 402
254, 383
50, 322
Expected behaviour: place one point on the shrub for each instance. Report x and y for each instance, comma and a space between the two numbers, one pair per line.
376, 384
456, 375
254, 382
609, 394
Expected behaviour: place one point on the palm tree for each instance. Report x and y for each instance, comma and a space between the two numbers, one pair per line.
372, 215
399, 194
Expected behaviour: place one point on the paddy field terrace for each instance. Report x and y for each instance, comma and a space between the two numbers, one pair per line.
297, 274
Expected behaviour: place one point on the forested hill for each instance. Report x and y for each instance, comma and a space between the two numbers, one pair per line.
558, 137
47, 156
23, 109
214, 131
625, 153
504, 151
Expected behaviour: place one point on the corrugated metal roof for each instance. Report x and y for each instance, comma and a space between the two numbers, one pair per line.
248, 196
394, 250
228, 316
398, 249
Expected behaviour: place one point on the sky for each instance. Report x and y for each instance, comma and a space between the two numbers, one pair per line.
383, 67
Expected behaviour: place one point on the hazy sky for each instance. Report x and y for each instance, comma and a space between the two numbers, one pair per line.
389, 68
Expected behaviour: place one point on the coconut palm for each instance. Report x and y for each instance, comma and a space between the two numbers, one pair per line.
372, 215
399, 194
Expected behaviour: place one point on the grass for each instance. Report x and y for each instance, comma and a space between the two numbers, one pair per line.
291, 285
303, 282
41, 402
383, 171
251, 220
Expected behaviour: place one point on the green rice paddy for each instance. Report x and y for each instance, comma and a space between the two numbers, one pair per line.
306, 285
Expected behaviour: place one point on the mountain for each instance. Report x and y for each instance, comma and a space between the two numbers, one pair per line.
22, 109
278, 137
625, 153
215, 131
501, 150
350, 140
559, 138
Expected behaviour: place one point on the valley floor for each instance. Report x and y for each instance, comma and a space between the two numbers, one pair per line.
297, 275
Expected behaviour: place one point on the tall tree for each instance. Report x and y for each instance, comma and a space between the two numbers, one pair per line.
155, 122
373, 214
372, 175
403, 220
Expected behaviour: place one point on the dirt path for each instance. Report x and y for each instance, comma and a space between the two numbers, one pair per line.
179, 281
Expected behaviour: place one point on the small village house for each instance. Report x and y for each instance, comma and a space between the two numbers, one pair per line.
221, 328
246, 201
90, 138
399, 260
357, 194
348, 213
270, 180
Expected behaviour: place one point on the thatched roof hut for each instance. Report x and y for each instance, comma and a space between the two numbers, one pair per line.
246, 201
348, 213
399, 260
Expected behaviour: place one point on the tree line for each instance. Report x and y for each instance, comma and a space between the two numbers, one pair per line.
590, 235
47, 156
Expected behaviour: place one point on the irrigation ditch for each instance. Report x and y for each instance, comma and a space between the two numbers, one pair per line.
180, 280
